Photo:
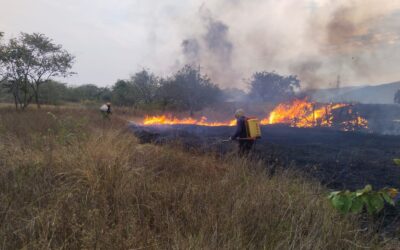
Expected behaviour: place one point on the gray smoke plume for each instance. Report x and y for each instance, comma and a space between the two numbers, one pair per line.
308, 72
191, 51
229, 39
217, 41
316, 40
212, 50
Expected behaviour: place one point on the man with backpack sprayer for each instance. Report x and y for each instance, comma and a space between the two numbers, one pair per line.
105, 110
247, 131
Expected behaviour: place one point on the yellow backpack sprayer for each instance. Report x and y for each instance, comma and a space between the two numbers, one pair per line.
253, 128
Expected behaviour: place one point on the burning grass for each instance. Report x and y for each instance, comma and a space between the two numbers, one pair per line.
71, 180
298, 113
171, 120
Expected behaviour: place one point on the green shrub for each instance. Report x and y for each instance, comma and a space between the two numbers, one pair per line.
355, 202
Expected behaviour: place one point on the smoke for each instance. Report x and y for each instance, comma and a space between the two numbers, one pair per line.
357, 25
211, 50
358, 36
229, 39
316, 40
308, 72
191, 51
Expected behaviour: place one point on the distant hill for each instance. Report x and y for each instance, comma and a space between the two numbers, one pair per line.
379, 94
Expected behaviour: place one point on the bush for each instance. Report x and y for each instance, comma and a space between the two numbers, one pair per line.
356, 202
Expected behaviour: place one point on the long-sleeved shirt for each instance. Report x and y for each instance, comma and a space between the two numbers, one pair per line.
240, 128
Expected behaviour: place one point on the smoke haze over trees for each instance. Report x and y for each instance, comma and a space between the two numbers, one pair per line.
314, 39
188, 90
272, 87
33, 60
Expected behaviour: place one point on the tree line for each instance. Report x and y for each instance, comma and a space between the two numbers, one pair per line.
29, 64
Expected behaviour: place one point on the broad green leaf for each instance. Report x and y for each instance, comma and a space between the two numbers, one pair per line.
367, 188
397, 162
359, 192
357, 205
387, 198
333, 194
368, 204
377, 202
341, 203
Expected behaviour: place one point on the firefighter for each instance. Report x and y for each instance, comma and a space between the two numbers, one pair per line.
245, 143
105, 110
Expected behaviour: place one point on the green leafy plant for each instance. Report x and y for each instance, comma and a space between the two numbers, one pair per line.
354, 202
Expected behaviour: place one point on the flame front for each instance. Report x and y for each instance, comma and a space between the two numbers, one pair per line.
170, 120
299, 113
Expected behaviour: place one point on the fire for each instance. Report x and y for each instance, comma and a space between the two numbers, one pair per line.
305, 114
170, 120
299, 113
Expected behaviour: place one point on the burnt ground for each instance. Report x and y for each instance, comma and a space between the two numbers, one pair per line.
339, 160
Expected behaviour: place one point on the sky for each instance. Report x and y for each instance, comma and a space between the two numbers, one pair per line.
317, 40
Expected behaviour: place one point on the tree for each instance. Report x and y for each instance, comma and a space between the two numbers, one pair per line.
3, 78
188, 90
29, 61
53, 93
123, 93
272, 87
234, 94
88, 92
397, 97
139, 90
2, 73
145, 85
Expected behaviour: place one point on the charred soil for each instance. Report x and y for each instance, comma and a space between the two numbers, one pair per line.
338, 159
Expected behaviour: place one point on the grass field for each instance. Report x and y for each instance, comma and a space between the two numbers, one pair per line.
71, 180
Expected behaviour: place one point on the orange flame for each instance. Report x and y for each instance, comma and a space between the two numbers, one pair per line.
169, 120
299, 113
303, 114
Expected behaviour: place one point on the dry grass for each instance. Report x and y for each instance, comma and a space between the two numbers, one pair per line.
69, 180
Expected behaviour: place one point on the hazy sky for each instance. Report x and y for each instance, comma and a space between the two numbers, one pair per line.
230, 39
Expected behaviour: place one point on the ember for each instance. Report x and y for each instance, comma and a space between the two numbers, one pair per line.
298, 113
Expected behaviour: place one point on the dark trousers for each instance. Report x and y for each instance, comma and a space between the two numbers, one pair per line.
245, 147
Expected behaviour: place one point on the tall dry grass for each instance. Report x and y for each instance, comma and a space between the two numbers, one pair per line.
70, 180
